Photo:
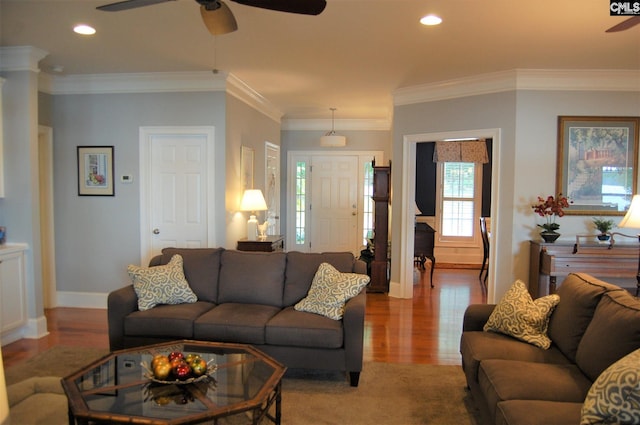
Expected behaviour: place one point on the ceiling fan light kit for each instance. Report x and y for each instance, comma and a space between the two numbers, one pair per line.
332, 139
219, 20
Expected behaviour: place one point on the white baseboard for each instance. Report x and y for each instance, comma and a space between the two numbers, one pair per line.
36, 328
82, 299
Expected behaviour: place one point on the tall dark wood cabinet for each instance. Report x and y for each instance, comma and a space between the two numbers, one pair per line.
380, 264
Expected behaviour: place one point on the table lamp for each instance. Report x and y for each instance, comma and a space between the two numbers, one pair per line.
4, 403
252, 200
632, 219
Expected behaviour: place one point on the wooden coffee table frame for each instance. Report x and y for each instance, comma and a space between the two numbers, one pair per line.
259, 406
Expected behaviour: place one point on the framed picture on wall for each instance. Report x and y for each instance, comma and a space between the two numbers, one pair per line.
597, 164
95, 171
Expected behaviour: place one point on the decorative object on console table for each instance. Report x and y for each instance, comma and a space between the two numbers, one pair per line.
270, 244
380, 263
252, 200
604, 226
632, 219
550, 208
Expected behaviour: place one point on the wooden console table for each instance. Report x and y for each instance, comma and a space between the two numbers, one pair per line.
271, 244
548, 261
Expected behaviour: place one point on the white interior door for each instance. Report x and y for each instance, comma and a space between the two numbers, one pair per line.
176, 190
334, 203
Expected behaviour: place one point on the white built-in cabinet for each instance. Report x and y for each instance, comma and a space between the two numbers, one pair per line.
13, 295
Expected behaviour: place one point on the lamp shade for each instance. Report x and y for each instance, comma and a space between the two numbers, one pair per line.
253, 200
632, 218
333, 140
4, 403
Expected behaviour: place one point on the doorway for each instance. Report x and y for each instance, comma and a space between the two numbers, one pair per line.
326, 200
404, 288
176, 188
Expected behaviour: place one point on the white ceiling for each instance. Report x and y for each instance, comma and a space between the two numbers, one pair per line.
353, 56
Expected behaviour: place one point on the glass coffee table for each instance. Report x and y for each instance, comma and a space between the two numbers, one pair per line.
117, 389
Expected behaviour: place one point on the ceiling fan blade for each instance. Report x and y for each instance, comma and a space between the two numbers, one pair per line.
128, 4
625, 25
303, 7
219, 21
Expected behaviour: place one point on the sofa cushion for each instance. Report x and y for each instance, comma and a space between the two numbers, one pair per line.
165, 320
301, 267
252, 277
233, 322
201, 268
615, 396
330, 290
161, 284
501, 380
613, 333
293, 328
477, 346
537, 412
517, 315
579, 296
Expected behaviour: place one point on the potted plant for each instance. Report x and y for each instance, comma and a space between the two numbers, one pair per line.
603, 225
550, 208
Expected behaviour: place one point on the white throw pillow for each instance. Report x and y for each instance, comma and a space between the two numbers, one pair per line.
614, 398
330, 290
521, 317
161, 284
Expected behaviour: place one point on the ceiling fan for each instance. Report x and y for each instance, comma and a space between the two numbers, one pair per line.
625, 25
217, 16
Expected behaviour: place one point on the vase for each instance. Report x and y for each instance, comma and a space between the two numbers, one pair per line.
550, 236
603, 237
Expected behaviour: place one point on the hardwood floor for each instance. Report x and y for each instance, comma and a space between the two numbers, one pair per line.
425, 329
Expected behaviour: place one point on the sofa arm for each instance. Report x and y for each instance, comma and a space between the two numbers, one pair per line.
360, 266
120, 303
353, 323
475, 316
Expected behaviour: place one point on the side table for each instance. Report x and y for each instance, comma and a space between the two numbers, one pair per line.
270, 244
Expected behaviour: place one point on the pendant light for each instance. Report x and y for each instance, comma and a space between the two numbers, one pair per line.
332, 139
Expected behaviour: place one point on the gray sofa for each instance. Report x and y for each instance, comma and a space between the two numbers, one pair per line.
248, 297
513, 382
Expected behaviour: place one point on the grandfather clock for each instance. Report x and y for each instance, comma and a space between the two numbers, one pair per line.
380, 264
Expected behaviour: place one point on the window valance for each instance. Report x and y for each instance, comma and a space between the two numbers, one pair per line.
458, 151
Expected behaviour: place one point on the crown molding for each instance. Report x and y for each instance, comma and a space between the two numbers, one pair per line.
157, 82
340, 125
521, 79
21, 58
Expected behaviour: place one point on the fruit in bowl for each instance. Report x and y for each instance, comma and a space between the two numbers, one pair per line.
177, 366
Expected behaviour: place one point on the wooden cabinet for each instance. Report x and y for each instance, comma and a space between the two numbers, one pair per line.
549, 263
13, 302
380, 264
271, 244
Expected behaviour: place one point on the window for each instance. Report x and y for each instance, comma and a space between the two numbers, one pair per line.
367, 204
460, 198
301, 201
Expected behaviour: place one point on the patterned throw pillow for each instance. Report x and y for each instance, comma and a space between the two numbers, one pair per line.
161, 284
521, 317
330, 290
614, 398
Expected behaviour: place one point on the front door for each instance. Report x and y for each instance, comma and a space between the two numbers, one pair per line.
334, 203
176, 188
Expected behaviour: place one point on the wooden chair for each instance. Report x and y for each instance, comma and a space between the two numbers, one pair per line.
485, 254
423, 246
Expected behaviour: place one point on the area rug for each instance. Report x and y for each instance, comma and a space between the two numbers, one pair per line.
387, 394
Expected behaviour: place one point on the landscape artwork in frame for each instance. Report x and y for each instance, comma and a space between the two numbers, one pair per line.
597, 163
95, 171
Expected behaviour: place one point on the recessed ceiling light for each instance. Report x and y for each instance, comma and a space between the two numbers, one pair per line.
431, 20
84, 29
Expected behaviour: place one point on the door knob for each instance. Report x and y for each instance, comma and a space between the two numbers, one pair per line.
156, 231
